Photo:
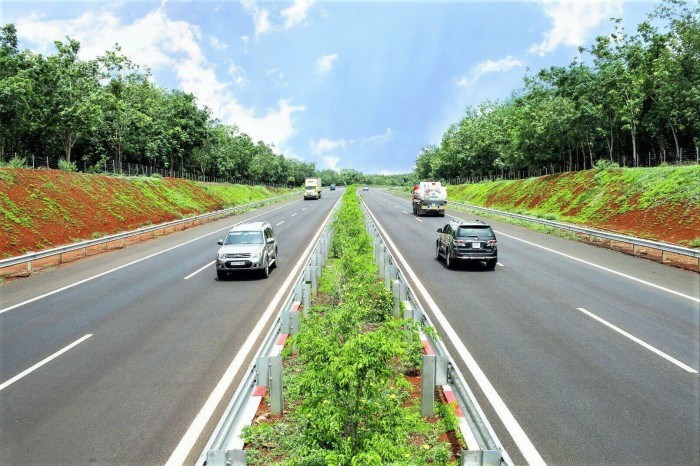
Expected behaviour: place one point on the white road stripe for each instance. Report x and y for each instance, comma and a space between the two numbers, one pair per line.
615, 272
517, 433
638, 341
199, 270
498, 263
41, 363
416, 218
294, 214
303, 208
36, 298
280, 223
188, 440
404, 211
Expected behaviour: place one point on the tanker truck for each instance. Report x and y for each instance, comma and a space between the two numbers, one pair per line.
429, 197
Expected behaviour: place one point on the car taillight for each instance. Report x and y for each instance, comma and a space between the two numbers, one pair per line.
492, 242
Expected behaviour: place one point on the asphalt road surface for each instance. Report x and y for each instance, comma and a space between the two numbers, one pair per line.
115, 369
594, 353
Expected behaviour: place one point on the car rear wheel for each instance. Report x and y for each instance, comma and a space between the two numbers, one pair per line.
437, 251
491, 264
274, 264
448, 261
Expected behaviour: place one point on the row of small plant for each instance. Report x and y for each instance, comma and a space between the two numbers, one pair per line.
351, 396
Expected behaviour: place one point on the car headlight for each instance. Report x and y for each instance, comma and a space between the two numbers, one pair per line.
222, 255
256, 254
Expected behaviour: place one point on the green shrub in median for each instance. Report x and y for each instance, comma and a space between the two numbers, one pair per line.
346, 390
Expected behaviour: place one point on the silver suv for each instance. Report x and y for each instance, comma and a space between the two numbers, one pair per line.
248, 246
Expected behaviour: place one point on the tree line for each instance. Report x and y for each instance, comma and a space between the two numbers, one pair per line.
635, 102
82, 113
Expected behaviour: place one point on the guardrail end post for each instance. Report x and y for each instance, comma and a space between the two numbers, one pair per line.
427, 387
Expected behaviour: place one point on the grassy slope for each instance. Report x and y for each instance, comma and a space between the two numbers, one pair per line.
659, 203
45, 208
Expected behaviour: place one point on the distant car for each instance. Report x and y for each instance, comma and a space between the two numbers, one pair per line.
467, 241
332, 187
365, 188
247, 247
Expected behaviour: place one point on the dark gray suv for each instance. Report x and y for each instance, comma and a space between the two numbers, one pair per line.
248, 246
467, 241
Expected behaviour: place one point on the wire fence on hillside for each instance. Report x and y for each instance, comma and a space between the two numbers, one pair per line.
651, 159
110, 167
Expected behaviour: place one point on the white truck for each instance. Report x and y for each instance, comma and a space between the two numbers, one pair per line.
429, 197
312, 188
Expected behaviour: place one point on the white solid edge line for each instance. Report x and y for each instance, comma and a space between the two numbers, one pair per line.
280, 223
615, 272
638, 341
44, 361
195, 429
199, 270
36, 298
521, 439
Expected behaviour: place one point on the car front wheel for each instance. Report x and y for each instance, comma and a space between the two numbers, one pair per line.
266, 269
220, 275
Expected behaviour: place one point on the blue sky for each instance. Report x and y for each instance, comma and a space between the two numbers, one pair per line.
361, 85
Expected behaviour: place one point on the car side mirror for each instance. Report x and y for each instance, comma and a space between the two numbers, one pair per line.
220, 242
270, 240
439, 230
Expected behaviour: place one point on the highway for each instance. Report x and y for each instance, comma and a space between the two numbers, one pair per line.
594, 354
111, 358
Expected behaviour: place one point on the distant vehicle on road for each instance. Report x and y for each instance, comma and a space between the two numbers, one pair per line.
467, 241
332, 187
365, 188
429, 197
247, 247
312, 188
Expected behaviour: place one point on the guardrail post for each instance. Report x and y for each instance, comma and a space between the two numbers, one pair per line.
314, 280
433, 373
382, 252
307, 298
396, 292
269, 374
663, 256
427, 387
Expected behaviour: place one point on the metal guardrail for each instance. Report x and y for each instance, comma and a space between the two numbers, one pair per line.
591, 232
32, 256
224, 445
488, 450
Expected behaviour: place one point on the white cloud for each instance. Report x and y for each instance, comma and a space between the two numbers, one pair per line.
331, 162
238, 74
157, 42
325, 63
572, 20
277, 77
384, 137
489, 66
217, 44
296, 13
327, 145
291, 16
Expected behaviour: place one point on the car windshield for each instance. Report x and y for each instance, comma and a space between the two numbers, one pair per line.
311, 188
244, 237
481, 232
